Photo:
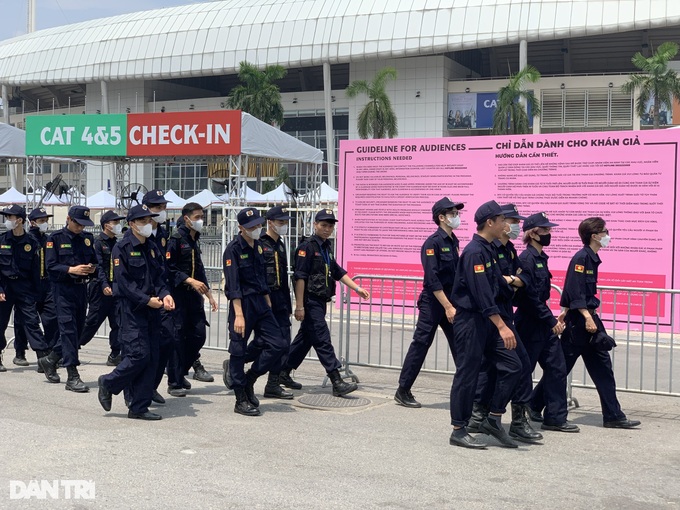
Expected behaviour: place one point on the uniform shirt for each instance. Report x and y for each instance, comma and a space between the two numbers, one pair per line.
276, 267
19, 260
580, 285
532, 299
315, 263
508, 263
103, 247
65, 249
439, 257
137, 272
160, 238
478, 278
184, 258
243, 268
41, 238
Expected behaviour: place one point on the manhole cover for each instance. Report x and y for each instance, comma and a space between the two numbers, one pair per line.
323, 400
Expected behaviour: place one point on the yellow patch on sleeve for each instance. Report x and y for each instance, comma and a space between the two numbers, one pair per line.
578, 268
302, 253
429, 252
50, 244
167, 255
479, 268
116, 262
228, 261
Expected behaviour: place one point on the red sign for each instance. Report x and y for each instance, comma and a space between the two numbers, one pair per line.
216, 133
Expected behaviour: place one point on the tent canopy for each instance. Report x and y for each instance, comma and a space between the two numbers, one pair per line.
174, 200
327, 194
280, 194
12, 196
246, 192
205, 198
101, 200
12, 142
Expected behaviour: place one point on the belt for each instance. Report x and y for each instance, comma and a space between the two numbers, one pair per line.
80, 281
12, 277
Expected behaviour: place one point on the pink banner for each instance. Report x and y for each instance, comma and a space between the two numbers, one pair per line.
387, 188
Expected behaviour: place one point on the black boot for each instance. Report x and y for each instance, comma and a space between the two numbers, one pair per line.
226, 375
74, 383
286, 380
250, 388
200, 373
49, 365
340, 387
2, 367
20, 359
495, 429
38, 355
243, 405
479, 414
274, 390
520, 428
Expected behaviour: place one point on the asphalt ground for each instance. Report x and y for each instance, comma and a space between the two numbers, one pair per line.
379, 455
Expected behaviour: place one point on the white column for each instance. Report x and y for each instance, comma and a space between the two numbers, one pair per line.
5, 104
105, 97
330, 138
31, 16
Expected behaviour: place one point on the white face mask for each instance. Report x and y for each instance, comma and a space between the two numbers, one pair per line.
10, 224
117, 229
281, 230
162, 216
514, 231
254, 234
43, 227
604, 240
145, 231
453, 221
197, 225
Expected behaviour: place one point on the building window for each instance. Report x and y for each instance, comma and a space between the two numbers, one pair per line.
564, 110
185, 179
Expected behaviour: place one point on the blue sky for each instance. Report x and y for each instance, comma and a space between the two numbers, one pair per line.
53, 13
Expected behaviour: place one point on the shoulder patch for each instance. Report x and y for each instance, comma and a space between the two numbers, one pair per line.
167, 255
116, 262
228, 262
302, 253
578, 268
479, 268
49, 244
429, 252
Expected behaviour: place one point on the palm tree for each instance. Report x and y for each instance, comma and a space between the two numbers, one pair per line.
377, 118
258, 94
656, 83
511, 116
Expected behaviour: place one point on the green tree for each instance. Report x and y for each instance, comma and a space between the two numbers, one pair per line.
656, 82
377, 118
510, 117
258, 94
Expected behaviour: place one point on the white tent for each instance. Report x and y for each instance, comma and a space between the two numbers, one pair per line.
248, 193
281, 194
327, 194
12, 142
56, 200
205, 198
12, 196
174, 200
101, 200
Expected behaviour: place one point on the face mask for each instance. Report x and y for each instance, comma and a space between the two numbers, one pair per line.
604, 241
162, 216
254, 234
453, 221
43, 227
117, 229
145, 231
544, 239
10, 224
197, 225
282, 230
514, 231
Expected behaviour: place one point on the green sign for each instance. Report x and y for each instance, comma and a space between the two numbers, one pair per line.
76, 135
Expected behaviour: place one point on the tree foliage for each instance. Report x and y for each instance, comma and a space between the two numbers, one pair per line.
511, 116
377, 119
257, 94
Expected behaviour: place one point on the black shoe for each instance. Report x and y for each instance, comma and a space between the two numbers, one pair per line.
250, 389
479, 414
74, 382
113, 361
405, 398
49, 365
467, 441
535, 416
157, 397
20, 360
562, 427
105, 396
226, 375
622, 424
520, 428
487, 427
243, 405
273, 390
286, 380
144, 416
200, 373
340, 387
185, 383
176, 391
2, 367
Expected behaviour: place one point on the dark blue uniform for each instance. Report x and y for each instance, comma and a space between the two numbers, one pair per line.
65, 249
102, 307
477, 292
183, 259
244, 274
314, 263
138, 276
580, 287
439, 257
534, 321
19, 269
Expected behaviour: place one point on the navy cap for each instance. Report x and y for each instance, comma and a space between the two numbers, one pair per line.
15, 210
154, 197
325, 215
81, 215
139, 211
510, 211
278, 212
38, 213
487, 211
249, 217
110, 216
445, 204
537, 220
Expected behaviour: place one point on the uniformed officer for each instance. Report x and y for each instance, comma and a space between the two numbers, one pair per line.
538, 326
141, 290
157, 203
101, 303
508, 263
71, 263
250, 310
19, 261
316, 272
579, 304
439, 257
189, 285
479, 330
44, 301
